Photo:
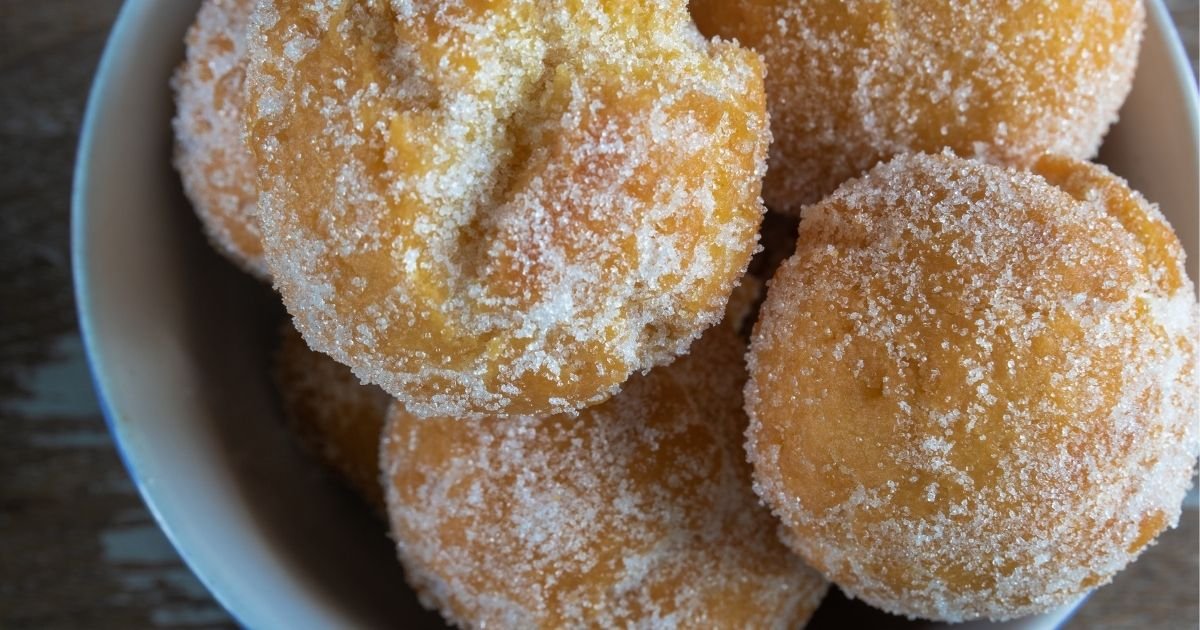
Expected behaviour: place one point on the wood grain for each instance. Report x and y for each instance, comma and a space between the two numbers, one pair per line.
77, 547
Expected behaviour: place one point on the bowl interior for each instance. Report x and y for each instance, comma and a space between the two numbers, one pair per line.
180, 343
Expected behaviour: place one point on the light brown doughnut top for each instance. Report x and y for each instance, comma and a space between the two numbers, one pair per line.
636, 513
973, 391
508, 207
853, 82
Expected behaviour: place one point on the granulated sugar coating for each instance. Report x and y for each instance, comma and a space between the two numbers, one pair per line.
851, 83
503, 208
637, 513
336, 417
973, 390
216, 167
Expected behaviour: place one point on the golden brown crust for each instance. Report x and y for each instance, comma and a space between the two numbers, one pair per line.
973, 390
636, 513
507, 210
853, 83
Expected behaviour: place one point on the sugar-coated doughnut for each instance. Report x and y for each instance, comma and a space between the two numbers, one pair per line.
337, 418
973, 391
852, 83
214, 163
636, 513
508, 207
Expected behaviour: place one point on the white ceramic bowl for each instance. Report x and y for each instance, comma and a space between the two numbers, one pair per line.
179, 346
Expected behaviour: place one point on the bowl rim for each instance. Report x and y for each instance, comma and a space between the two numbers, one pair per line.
99, 101
1183, 69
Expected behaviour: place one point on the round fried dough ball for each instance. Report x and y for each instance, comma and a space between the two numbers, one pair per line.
636, 513
973, 391
214, 163
503, 208
853, 83
337, 418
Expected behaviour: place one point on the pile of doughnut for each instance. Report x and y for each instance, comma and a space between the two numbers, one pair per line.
515, 240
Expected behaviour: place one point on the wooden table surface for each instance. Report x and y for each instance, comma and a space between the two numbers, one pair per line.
77, 547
